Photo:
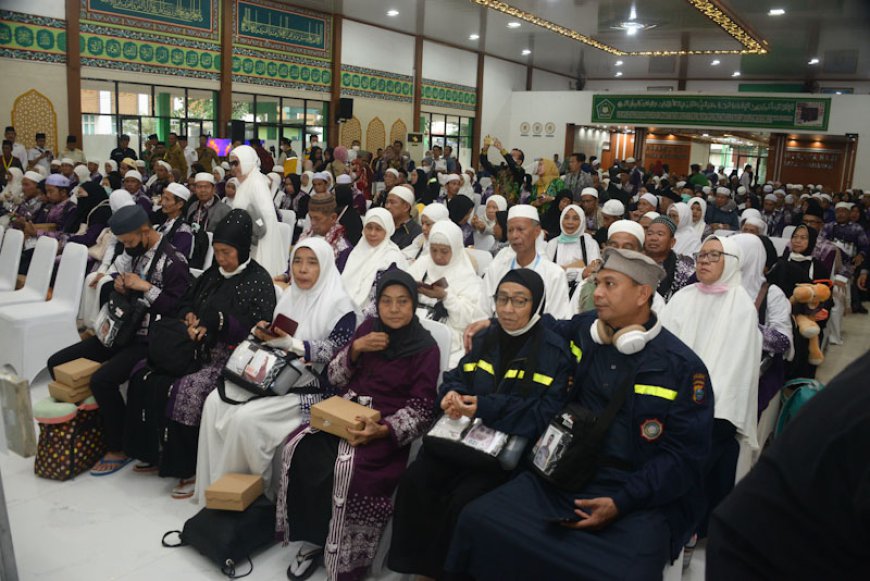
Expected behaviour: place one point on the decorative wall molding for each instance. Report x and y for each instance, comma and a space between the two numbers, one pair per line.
452, 96
373, 84
33, 38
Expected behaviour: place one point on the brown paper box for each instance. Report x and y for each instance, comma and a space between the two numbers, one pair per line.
336, 414
76, 373
63, 392
233, 492
49, 227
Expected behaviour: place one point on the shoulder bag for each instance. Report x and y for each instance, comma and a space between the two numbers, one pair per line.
262, 370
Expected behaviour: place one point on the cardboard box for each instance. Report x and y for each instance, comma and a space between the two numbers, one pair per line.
76, 373
336, 414
233, 492
63, 392
49, 227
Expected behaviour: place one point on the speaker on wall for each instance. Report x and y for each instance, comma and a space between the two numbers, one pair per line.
345, 108
237, 130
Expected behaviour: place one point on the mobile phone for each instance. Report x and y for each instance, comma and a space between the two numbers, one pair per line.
284, 323
567, 520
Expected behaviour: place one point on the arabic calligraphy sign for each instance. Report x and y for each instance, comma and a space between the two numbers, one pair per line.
191, 14
277, 25
802, 113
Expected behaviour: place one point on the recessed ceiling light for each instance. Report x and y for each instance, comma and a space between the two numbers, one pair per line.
618, 73
813, 61
715, 62
618, 63
526, 52
839, 92
705, 135
392, 12
776, 12
513, 24
473, 36
735, 74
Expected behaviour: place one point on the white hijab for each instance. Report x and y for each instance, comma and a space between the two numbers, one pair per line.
752, 262
687, 243
120, 198
420, 246
253, 192
366, 260
567, 247
459, 272
13, 190
306, 189
700, 225
318, 309
500, 205
753, 217
720, 324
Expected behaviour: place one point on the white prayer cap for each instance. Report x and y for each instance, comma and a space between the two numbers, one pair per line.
54, 162
589, 192
321, 175
789, 199
769, 198
225, 165
651, 215
120, 198
706, 190
344, 179
651, 199
798, 186
845, 205
203, 177
403, 192
523, 211
164, 164
767, 188
133, 175
629, 227
681, 185
778, 192
827, 198
805, 196
630, 160
723, 191
178, 191
741, 190
33, 176
754, 220
140, 163
67, 161
391, 170
452, 178
220, 171
613, 208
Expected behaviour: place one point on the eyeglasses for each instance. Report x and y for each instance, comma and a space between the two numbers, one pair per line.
517, 302
234, 163
712, 256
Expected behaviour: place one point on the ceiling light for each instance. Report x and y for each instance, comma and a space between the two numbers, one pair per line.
776, 12
839, 92
526, 52
473, 36
618, 63
513, 24
813, 61
632, 26
705, 135
392, 12
735, 74
715, 62
618, 73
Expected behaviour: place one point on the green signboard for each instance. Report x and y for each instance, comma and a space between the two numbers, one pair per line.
186, 13
286, 27
713, 111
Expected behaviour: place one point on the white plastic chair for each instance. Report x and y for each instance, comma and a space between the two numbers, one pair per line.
289, 217
33, 332
206, 262
780, 244
482, 257
38, 275
10, 258
443, 336
286, 240
788, 231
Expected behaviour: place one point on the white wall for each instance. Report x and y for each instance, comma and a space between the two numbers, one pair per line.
50, 8
544, 81
376, 48
500, 79
449, 65
47, 78
700, 153
590, 140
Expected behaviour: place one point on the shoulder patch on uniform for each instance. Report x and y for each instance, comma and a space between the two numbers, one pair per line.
652, 429
699, 387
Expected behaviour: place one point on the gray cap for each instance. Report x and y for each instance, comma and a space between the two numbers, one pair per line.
128, 219
639, 267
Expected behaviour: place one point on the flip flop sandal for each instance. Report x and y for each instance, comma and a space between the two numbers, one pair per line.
117, 463
144, 468
185, 489
305, 565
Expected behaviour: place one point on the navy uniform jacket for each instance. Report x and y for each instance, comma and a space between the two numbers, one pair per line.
499, 385
664, 430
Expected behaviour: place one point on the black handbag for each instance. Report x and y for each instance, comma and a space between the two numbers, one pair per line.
471, 444
262, 370
229, 537
568, 452
171, 350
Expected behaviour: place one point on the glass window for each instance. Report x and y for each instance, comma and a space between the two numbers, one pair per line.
134, 99
292, 111
243, 107
449, 130
98, 97
316, 112
452, 127
169, 102
201, 104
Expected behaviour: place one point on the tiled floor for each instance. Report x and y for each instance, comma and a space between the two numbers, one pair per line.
96, 529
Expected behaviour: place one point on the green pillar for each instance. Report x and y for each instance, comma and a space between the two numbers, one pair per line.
163, 110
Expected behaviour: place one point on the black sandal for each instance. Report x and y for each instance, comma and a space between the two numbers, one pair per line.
305, 564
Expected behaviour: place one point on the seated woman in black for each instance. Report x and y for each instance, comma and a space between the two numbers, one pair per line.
514, 379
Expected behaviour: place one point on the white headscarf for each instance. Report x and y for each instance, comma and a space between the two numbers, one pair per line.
253, 196
566, 248
501, 206
420, 246
318, 309
687, 242
466, 189
699, 226
307, 188
753, 217
120, 198
720, 324
753, 258
12, 192
365, 260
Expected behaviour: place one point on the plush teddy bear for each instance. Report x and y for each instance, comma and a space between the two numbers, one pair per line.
806, 300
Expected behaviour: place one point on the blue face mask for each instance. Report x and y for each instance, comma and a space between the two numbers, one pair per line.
686, 198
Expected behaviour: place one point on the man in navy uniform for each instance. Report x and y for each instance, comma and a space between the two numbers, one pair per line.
646, 497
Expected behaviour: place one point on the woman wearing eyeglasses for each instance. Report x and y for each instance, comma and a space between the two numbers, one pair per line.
514, 379
716, 318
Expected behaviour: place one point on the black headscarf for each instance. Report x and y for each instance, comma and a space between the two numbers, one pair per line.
347, 214
420, 190
459, 207
550, 220
788, 273
770, 252
236, 230
531, 280
296, 180
84, 206
814, 208
115, 180
502, 219
413, 337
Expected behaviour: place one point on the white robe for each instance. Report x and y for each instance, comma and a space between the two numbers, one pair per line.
555, 282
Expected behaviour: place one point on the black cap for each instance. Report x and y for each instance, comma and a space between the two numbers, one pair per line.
153, 136
10, 128
182, 138
40, 135
71, 139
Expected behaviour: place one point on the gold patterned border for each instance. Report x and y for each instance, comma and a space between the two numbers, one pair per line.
752, 43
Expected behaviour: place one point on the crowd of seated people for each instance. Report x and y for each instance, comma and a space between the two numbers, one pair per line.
675, 296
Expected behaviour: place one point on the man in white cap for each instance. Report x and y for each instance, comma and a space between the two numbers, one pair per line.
635, 175
161, 178
320, 183
67, 170
451, 182
392, 177
772, 215
589, 204
133, 184
399, 202
722, 213
172, 201
206, 211
611, 211
524, 228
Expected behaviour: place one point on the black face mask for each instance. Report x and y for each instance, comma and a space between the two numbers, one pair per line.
137, 250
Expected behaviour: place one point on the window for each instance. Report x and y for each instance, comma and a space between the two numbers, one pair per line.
449, 130
271, 118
